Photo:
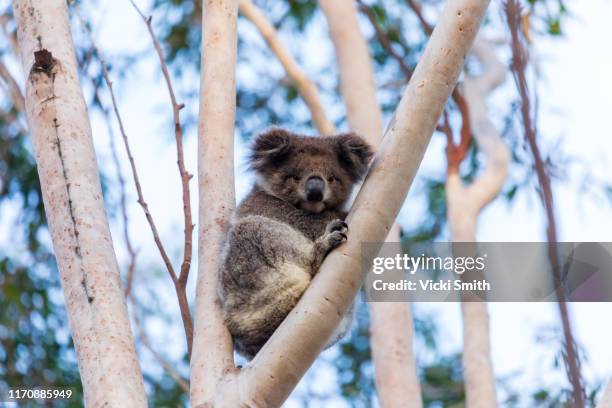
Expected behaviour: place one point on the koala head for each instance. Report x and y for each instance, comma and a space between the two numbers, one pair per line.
312, 173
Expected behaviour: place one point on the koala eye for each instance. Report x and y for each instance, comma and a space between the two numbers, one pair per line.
333, 179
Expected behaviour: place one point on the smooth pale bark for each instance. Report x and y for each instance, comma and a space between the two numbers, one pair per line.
57, 118
391, 328
606, 398
304, 86
276, 369
464, 205
212, 355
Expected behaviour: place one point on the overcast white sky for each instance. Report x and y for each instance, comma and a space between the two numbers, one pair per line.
575, 108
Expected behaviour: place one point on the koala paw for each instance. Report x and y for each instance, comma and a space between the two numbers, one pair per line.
336, 225
335, 233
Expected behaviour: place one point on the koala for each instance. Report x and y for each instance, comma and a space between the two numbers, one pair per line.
283, 230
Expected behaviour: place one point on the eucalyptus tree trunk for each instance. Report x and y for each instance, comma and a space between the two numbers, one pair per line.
212, 357
391, 327
464, 204
57, 118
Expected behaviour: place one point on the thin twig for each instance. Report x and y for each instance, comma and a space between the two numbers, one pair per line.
179, 281
418, 11
180, 284
178, 133
383, 39
519, 67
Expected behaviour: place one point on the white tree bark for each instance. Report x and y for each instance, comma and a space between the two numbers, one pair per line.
304, 86
277, 368
57, 118
464, 205
212, 356
391, 328
606, 398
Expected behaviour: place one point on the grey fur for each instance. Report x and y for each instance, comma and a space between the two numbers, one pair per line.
277, 239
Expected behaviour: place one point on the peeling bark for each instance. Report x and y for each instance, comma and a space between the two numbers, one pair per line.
464, 205
57, 117
397, 383
212, 356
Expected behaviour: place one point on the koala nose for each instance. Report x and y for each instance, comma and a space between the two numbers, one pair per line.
315, 186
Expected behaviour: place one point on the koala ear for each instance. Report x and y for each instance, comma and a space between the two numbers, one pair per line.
354, 154
270, 148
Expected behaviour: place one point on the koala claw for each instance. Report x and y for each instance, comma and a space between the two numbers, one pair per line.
337, 225
335, 238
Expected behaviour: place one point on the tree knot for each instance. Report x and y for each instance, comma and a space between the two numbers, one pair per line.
43, 61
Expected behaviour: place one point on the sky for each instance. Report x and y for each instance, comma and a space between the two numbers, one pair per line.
575, 91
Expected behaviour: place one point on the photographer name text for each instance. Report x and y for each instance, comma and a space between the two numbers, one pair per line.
447, 285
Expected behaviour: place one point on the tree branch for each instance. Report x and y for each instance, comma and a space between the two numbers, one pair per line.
356, 84
305, 87
383, 39
180, 282
519, 67
418, 11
